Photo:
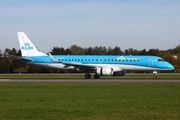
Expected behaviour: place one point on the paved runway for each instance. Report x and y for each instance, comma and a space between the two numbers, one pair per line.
95, 80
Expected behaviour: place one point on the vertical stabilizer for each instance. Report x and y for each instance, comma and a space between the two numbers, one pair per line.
27, 47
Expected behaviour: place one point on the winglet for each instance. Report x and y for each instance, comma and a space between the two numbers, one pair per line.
53, 58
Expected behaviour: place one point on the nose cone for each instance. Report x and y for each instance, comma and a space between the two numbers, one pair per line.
170, 67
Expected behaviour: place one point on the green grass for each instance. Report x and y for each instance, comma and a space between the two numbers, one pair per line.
93, 101
81, 76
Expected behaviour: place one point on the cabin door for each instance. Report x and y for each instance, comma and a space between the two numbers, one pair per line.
150, 62
47, 61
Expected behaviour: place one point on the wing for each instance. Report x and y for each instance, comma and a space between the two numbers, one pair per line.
75, 64
79, 65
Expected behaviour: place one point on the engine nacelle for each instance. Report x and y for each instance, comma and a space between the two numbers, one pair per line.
104, 71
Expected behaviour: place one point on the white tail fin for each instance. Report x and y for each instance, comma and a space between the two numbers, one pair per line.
27, 47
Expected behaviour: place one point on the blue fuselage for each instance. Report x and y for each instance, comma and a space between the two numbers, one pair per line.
121, 62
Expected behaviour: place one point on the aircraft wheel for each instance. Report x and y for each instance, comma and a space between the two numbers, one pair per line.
87, 76
96, 76
154, 76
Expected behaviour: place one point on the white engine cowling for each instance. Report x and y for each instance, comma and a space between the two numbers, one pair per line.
104, 71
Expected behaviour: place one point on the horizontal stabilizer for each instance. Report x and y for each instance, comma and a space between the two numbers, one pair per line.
19, 58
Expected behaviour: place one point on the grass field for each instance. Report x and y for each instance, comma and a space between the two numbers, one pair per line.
89, 101
81, 76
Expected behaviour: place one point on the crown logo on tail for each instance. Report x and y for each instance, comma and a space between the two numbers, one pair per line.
27, 46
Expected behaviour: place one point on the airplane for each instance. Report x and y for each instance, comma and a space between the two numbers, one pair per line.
102, 65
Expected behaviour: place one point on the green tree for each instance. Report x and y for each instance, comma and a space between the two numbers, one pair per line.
100, 50
176, 50
153, 51
58, 51
89, 51
77, 50
5, 65
131, 51
68, 51
142, 52
126, 52
169, 57
117, 51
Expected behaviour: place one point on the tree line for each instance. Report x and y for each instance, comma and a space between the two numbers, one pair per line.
9, 65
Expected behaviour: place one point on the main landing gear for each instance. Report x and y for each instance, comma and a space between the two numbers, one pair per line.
96, 76
88, 76
154, 74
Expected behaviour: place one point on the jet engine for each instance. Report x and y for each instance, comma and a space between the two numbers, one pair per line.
109, 71
104, 71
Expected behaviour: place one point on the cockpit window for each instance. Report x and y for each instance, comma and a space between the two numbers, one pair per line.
161, 60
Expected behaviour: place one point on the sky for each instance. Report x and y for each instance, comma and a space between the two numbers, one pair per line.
137, 24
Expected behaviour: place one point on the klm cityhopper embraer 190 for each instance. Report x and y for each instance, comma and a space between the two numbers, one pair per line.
102, 65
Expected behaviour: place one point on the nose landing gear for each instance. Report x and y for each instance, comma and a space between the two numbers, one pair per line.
154, 74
